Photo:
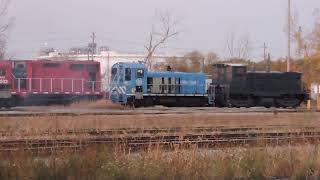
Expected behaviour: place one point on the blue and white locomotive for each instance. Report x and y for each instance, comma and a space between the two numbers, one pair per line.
133, 84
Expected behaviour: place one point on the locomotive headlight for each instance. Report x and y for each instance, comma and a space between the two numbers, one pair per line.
139, 82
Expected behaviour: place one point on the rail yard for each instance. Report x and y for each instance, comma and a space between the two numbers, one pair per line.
48, 129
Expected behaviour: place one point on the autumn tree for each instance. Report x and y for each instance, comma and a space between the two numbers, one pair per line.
193, 61
210, 59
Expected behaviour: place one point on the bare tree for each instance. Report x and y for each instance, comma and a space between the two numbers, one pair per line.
238, 47
5, 24
160, 36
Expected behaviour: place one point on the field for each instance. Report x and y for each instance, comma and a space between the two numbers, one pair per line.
52, 123
286, 162
188, 160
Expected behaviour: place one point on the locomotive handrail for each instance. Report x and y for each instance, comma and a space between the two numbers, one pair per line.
171, 88
94, 85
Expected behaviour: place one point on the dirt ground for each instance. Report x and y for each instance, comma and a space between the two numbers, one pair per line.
51, 123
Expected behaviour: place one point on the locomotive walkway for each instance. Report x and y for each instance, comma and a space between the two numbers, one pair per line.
136, 139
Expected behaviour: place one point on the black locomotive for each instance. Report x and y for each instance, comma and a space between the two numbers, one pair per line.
234, 86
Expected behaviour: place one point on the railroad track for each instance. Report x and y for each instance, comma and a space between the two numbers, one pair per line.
23, 112
202, 137
157, 131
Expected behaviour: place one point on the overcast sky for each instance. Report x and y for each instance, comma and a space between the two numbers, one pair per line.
124, 25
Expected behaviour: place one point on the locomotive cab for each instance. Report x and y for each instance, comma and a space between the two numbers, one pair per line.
128, 82
227, 80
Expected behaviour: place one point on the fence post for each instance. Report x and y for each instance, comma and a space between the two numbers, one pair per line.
318, 102
309, 105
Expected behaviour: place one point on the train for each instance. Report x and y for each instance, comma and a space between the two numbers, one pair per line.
231, 86
47, 82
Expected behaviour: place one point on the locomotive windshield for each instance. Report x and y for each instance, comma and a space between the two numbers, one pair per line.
2, 72
140, 73
113, 74
128, 74
240, 71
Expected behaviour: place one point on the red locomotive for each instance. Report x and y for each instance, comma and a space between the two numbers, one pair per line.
45, 82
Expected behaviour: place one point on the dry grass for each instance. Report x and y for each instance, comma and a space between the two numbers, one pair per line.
301, 162
46, 126
101, 104
51, 123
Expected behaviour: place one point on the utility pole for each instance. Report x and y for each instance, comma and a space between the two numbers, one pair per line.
265, 55
300, 42
289, 36
92, 45
108, 67
269, 63
264, 51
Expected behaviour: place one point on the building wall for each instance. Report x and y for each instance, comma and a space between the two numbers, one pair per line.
315, 90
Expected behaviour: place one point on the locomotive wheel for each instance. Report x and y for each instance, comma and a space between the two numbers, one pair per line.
288, 102
138, 104
148, 102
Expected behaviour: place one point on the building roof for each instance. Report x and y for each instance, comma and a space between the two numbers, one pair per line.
231, 64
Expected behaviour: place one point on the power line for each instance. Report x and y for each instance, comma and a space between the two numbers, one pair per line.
92, 45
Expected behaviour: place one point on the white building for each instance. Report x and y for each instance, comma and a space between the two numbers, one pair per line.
315, 90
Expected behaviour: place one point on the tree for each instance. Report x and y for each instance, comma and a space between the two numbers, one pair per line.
5, 24
193, 61
238, 47
211, 58
159, 36
307, 44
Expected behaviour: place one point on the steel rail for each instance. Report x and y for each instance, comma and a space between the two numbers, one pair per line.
138, 142
155, 131
23, 113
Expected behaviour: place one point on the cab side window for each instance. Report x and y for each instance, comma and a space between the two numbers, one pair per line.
128, 74
140, 73
239, 72
114, 74
2, 72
